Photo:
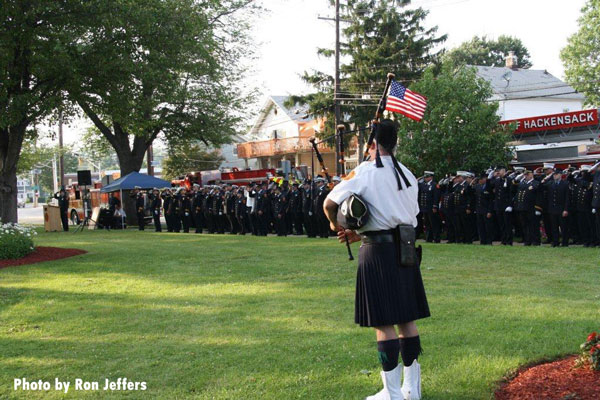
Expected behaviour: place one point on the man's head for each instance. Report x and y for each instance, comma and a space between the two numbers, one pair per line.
386, 138
428, 176
548, 168
557, 174
501, 172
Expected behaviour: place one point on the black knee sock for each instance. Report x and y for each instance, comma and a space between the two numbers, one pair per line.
410, 349
389, 350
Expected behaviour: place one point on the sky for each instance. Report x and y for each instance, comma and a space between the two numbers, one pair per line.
288, 34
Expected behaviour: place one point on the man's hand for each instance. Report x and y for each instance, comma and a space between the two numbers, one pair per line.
352, 236
489, 215
565, 214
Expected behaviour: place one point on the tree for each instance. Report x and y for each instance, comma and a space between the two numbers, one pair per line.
488, 52
581, 56
460, 129
182, 159
166, 67
95, 148
381, 37
33, 37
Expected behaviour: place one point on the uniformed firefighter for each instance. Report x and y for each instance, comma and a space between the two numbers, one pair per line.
447, 208
140, 206
527, 205
155, 205
462, 208
63, 205
429, 199
557, 192
503, 193
167, 198
198, 213
483, 210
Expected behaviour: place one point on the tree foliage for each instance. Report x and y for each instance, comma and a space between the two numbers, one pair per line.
381, 37
166, 67
581, 56
34, 36
184, 158
489, 52
460, 129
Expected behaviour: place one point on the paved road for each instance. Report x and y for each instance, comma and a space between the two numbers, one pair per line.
30, 215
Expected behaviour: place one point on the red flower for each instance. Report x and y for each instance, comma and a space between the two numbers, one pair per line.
592, 336
595, 349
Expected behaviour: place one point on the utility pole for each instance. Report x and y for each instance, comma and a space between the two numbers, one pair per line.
336, 89
61, 159
149, 160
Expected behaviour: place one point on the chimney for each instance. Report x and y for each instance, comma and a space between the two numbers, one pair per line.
512, 61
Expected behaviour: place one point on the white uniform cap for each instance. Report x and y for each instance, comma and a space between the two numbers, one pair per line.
464, 174
429, 173
336, 179
548, 165
519, 168
586, 167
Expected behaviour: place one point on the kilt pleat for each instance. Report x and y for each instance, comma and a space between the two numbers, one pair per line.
387, 294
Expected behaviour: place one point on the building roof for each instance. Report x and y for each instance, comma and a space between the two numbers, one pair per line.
296, 113
510, 83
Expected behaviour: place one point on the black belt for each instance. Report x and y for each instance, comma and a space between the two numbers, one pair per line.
371, 237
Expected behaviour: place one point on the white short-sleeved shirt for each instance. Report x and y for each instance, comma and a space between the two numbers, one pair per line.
388, 206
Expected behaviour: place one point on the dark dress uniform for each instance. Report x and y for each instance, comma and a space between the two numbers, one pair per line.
217, 211
197, 203
483, 207
229, 203
558, 202
596, 203
176, 212
462, 209
545, 202
262, 208
185, 212
429, 200
295, 211
572, 219
139, 209
307, 212
527, 201
207, 210
168, 210
63, 205
320, 219
447, 210
503, 193
583, 206
155, 205
241, 213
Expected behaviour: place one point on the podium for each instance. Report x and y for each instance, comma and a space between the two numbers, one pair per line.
52, 222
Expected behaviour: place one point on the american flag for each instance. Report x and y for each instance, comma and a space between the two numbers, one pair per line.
405, 102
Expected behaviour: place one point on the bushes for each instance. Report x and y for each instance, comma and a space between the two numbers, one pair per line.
16, 241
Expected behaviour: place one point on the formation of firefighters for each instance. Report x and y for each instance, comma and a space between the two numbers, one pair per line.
258, 208
501, 204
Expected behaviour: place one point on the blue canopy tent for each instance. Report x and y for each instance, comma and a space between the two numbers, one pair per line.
133, 180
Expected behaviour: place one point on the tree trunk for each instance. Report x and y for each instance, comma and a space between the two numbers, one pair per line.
8, 195
11, 142
129, 162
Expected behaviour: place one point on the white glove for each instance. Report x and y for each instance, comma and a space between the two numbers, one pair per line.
490, 173
593, 211
508, 209
156, 212
187, 214
538, 213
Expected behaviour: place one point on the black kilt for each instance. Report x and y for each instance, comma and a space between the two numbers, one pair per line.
387, 294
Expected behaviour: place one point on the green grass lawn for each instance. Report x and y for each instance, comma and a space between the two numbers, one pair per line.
230, 317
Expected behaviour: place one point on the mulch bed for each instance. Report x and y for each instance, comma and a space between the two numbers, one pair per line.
555, 380
40, 254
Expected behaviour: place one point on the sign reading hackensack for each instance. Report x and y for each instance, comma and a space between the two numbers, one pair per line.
120, 384
555, 121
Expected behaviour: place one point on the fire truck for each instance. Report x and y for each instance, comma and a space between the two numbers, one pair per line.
233, 176
79, 196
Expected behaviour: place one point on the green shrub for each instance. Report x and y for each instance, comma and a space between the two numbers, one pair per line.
16, 241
